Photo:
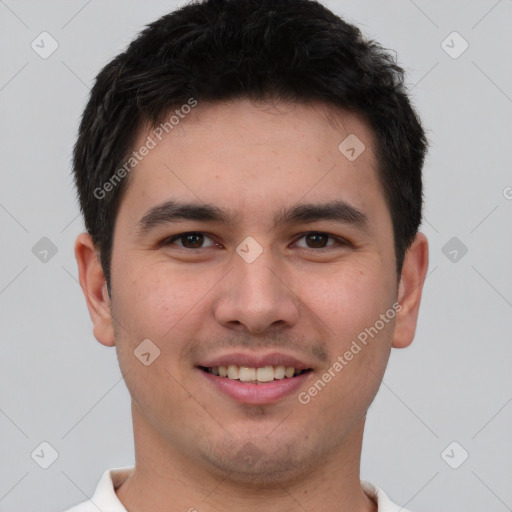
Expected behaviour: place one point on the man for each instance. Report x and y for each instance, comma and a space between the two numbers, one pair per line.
249, 172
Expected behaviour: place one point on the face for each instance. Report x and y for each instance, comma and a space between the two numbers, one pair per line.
247, 239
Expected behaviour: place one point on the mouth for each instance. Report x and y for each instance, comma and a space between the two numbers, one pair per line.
251, 379
252, 375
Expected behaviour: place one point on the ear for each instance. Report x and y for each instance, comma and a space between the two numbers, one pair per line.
414, 271
94, 287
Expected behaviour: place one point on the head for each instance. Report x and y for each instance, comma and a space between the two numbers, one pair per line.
243, 108
294, 51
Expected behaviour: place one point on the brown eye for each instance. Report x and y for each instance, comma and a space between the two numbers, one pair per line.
318, 240
192, 240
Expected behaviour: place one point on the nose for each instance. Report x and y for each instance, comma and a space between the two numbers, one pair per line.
256, 297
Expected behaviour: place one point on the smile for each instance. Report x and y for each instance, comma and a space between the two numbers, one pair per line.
250, 375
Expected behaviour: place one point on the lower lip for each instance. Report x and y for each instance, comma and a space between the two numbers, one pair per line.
265, 393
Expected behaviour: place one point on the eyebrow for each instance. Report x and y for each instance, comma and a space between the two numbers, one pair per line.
175, 211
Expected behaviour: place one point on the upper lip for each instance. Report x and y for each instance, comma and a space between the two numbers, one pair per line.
256, 360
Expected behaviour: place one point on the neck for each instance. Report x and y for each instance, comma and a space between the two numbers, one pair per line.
167, 480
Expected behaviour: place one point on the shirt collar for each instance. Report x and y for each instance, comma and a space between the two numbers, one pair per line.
106, 498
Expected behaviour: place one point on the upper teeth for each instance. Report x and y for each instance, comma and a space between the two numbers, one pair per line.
246, 374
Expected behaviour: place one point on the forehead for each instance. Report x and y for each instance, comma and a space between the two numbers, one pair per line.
255, 157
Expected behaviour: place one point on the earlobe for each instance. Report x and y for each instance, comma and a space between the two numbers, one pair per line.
414, 271
94, 286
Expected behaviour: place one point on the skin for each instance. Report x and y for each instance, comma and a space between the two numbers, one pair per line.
303, 300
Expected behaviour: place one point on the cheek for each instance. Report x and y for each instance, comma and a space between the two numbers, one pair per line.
152, 300
163, 304
152, 304
358, 341
346, 299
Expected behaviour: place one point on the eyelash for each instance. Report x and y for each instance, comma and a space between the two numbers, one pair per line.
338, 241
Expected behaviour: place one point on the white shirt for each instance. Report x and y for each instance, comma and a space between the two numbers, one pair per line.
106, 500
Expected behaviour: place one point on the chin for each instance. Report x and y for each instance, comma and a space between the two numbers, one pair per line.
268, 466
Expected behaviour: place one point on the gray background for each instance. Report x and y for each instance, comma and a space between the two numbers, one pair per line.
453, 384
